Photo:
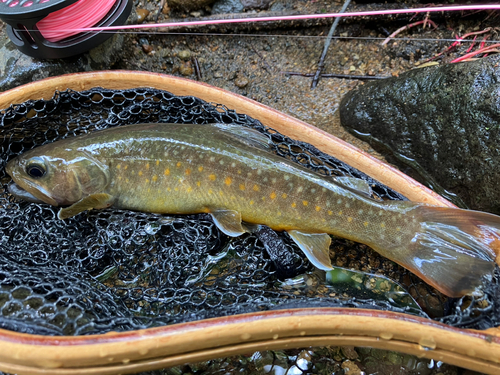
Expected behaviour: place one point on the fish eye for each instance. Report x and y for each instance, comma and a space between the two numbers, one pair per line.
36, 168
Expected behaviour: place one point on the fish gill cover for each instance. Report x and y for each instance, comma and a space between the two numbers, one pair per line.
112, 270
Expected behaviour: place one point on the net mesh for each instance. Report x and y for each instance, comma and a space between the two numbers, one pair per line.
112, 270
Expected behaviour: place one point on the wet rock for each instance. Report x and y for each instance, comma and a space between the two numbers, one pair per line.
17, 68
184, 55
186, 68
227, 6
147, 48
241, 82
351, 368
142, 14
440, 124
256, 4
189, 5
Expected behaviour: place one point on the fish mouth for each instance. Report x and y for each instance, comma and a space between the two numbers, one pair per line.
38, 196
18, 192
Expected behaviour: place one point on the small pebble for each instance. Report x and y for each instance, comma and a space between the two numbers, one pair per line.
217, 75
147, 48
241, 82
142, 14
186, 68
184, 55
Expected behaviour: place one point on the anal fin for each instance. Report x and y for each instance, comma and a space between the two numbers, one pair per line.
316, 246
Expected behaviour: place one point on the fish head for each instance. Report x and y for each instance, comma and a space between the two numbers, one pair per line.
56, 175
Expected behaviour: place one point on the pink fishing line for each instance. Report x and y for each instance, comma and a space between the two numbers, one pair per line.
73, 19
300, 17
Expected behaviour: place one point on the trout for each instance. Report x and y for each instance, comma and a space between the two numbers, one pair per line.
232, 173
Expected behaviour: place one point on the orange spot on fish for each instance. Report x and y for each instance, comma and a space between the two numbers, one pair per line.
147, 180
382, 225
188, 171
242, 187
157, 163
212, 177
284, 195
273, 195
210, 191
167, 172
294, 204
147, 165
140, 173
330, 212
252, 202
189, 189
198, 183
256, 188
349, 219
120, 177
340, 213
179, 164
221, 193
118, 166
154, 178
305, 203
228, 181
125, 167
127, 180
365, 223
200, 168
318, 208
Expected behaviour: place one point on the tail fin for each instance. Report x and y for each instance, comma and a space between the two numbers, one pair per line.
455, 249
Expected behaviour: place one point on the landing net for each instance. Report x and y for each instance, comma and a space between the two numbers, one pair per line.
112, 270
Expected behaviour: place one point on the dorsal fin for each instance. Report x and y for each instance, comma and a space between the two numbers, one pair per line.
245, 135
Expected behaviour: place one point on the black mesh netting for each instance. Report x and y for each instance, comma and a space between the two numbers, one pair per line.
118, 270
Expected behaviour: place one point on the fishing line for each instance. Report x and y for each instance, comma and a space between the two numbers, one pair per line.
82, 14
53, 28
319, 37
299, 17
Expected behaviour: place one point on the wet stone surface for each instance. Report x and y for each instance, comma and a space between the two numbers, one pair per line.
442, 120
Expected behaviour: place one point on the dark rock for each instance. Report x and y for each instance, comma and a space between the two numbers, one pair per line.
17, 68
227, 6
443, 122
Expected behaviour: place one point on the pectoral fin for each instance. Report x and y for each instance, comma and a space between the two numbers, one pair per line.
316, 246
229, 222
100, 200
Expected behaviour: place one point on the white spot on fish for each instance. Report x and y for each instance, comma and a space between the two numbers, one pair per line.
259, 172
313, 190
212, 158
339, 201
347, 205
233, 165
286, 177
273, 180
221, 162
323, 190
300, 188
360, 212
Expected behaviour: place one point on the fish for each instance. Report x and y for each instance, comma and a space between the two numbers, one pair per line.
232, 173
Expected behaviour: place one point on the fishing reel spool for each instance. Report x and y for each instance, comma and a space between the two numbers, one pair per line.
27, 30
